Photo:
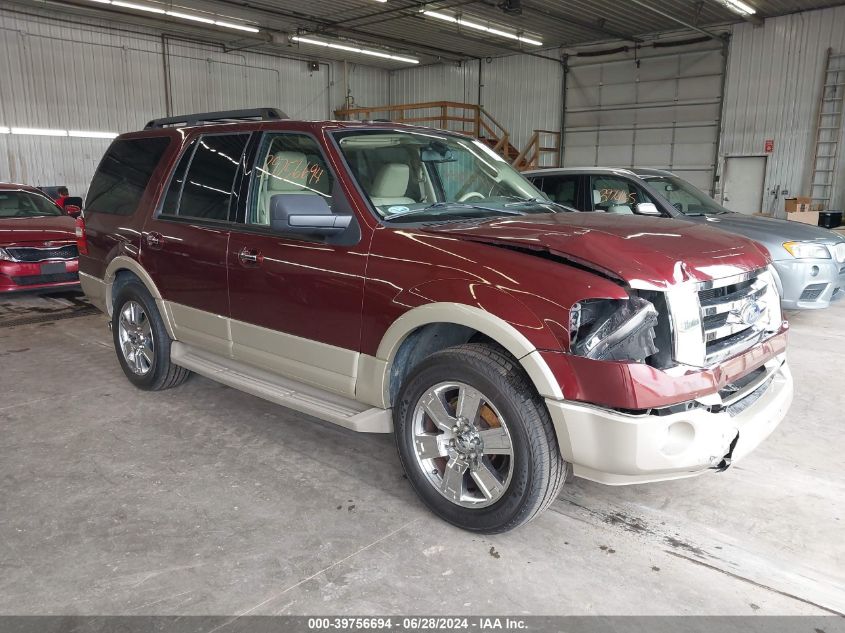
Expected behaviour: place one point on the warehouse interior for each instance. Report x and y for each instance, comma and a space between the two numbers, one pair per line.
208, 501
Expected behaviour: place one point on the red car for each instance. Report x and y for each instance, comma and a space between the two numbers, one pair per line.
385, 278
37, 242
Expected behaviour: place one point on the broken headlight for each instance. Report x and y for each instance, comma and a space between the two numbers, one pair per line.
613, 329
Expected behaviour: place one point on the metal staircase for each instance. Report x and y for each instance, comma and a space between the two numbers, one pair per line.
471, 119
828, 131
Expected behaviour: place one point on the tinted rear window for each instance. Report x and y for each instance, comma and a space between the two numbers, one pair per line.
123, 175
207, 189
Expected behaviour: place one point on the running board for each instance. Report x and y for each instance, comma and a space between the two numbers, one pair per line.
292, 394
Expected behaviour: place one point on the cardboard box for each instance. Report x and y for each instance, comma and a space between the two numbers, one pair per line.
805, 217
800, 204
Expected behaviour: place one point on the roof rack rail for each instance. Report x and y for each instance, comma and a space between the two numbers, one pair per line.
224, 116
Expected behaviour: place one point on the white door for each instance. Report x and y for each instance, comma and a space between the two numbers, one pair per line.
742, 183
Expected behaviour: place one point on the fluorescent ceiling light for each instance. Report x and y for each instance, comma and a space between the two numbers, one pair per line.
137, 7
179, 15
471, 24
185, 16
239, 27
38, 131
739, 7
33, 131
86, 134
354, 49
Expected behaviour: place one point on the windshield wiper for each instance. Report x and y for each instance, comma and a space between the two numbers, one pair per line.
520, 201
452, 205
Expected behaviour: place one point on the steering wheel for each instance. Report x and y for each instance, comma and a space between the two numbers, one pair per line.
470, 195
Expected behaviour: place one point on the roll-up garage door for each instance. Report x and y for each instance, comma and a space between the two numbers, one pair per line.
660, 110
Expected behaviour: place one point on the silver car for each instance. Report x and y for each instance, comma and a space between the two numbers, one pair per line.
810, 260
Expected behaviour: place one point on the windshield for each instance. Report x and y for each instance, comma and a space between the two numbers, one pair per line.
684, 196
23, 204
421, 177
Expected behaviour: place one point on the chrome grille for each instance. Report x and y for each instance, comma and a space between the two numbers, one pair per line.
733, 317
32, 254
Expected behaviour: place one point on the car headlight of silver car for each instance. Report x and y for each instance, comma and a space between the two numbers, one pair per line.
807, 250
613, 329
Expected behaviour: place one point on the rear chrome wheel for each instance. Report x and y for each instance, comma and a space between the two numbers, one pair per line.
462, 444
135, 335
141, 340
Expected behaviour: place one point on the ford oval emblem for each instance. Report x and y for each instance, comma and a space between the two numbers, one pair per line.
752, 312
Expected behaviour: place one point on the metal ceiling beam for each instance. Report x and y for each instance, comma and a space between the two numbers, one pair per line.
326, 27
584, 24
397, 13
675, 19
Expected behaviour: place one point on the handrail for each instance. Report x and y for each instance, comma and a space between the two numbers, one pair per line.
529, 157
482, 124
468, 118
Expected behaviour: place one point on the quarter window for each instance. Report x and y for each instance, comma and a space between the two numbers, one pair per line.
288, 164
123, 174
208, 184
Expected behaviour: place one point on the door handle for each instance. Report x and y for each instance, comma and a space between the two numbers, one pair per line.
250, 257
155, 240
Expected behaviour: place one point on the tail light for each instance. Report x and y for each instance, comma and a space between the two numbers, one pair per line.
81, 240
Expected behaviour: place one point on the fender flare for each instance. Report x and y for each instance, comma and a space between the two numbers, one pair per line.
458, 314
122, 262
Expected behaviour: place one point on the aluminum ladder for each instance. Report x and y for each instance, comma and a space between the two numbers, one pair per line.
828, 131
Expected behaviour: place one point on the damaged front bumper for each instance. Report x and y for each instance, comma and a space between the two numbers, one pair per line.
711, 432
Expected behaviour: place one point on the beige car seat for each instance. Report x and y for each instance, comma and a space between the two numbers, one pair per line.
391, 184
289, 174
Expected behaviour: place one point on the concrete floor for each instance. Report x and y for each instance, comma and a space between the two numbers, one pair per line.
205, 500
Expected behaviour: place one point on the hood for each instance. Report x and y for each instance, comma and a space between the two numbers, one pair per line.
60, 228
649, 253
771, 232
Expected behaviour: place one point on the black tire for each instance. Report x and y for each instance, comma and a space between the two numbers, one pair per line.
162, 373
538, 470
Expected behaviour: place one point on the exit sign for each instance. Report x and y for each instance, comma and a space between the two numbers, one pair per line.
769, 145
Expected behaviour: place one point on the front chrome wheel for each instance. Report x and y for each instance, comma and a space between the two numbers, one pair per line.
136, 338
462, 444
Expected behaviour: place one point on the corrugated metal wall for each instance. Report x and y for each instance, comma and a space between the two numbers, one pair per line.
773, 87
93, 76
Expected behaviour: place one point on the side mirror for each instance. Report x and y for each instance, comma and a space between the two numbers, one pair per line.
648, 208
306, 214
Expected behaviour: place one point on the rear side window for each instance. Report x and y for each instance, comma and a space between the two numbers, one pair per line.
208, 184
123, 175
562, 189
174, 190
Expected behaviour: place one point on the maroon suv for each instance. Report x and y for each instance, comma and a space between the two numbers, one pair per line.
386, 277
